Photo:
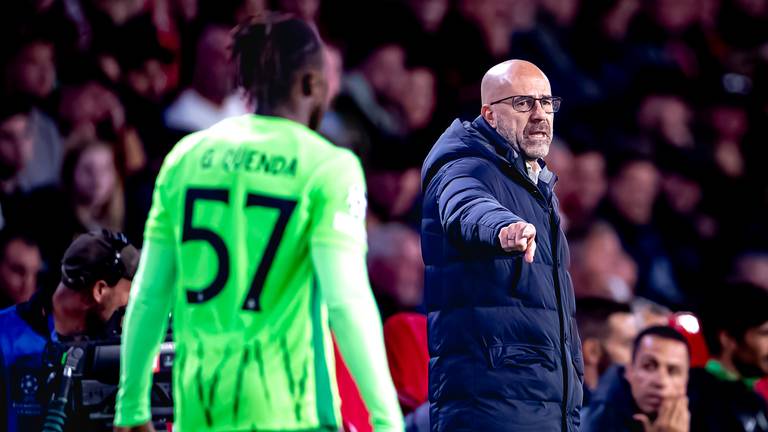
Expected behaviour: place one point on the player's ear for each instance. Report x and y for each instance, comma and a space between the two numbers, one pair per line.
314, 85
307, 84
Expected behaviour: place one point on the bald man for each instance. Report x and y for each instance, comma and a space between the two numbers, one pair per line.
505, 353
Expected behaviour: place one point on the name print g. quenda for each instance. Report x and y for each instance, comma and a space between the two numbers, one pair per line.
249, 160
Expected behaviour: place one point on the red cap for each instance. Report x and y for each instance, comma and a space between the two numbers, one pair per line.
689, 326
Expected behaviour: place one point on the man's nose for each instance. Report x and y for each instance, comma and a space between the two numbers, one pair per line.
661, 380
538, 113
30, 280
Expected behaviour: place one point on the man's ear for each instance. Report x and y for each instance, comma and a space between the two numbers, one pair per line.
592, 351
488, 115
99, 291
307, 84
727, 342
312, 84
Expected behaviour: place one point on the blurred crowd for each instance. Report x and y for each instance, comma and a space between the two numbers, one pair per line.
658, 142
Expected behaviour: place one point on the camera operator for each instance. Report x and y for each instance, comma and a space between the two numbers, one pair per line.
97, 270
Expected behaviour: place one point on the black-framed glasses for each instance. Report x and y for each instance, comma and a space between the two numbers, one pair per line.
524, 103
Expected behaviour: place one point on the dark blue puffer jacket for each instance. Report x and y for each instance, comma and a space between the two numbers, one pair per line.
505, 353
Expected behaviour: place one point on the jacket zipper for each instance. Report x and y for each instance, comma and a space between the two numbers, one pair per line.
555, 234
556, 275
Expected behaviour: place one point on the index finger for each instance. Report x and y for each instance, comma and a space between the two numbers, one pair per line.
528, 231
666, 409
681, 406
530, 251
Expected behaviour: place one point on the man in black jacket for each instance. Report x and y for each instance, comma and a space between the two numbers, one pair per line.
650, 393
505, 353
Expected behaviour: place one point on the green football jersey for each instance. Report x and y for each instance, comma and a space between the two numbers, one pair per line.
243, 202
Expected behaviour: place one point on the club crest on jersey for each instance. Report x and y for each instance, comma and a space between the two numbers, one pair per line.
357, 201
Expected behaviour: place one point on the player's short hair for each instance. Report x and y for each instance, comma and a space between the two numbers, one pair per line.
271, 52
663, 332
592, 315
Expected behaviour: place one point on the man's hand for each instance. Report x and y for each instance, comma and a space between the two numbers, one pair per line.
519, 237
674, 416
146, 427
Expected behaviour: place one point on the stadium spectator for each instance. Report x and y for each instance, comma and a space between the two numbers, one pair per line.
632, 193
394, 185
670, 38
599, 265
31, 70
728, 121
723, 393
16, 150
496, 258
607, 330
419, 98
31, 74
20, 263
395, 268
649, 393
430, 13
752, 267
548, 45
90, 111
332, 126
97, 269
147, 81
560, 160
587, 189
667, 120
486, 29
90, 197
369, 100
689, 230
212, 96
606, 24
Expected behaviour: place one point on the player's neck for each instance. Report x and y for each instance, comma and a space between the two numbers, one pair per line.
297, 115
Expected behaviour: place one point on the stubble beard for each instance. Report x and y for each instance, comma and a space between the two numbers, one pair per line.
531, 148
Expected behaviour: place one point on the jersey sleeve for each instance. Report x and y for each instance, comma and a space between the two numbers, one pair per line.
338, 247
149, 305
145, 324
339, 203
159, 226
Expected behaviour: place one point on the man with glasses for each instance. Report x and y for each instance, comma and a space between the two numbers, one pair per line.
505, 353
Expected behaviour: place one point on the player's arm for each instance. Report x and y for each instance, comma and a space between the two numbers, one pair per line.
146, 318
338, 247
469, 212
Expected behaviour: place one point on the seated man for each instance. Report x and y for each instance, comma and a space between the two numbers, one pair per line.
97, 269
650, 393
607, 330
723, 392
